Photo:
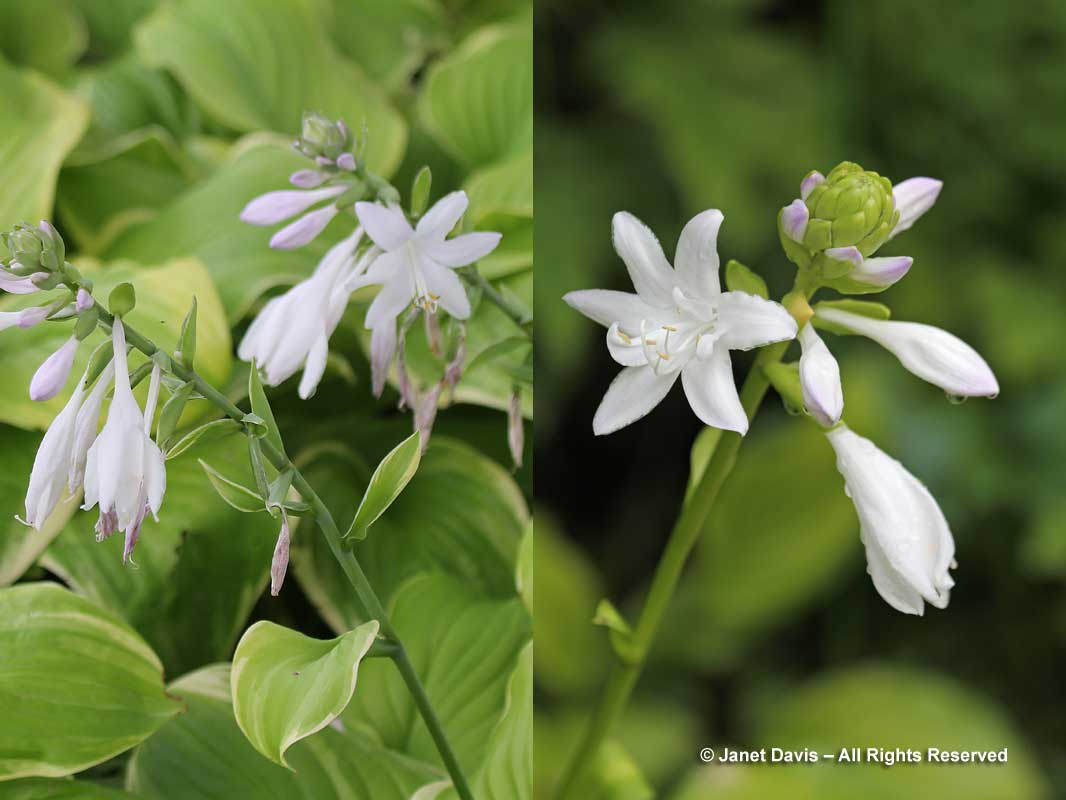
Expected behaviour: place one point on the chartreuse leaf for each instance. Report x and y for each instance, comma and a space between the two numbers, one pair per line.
49, 42
41, 125
501, 199
389, 479
77, 685
235, 494
203, 755
508, 770
478, 101
286, 685
59, 789
612, 775
163, 296
739, 278
259, 67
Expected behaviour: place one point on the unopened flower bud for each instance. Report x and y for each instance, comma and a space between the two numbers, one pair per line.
516, 431
426, 414
279, 565
84, 301
322, 137
52, 375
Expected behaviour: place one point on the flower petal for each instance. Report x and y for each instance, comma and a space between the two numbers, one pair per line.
393, 298
809, 183
444, 283
914, 197
820, 378
882, 271
696, 260
314, 367
626, 350
382, 348
607, 306
794, 218
387, 226
712, 392
463, 250
648, 268
631, 395
274, 207
436, 223
51, 376
746, 321
932, 354
303, 230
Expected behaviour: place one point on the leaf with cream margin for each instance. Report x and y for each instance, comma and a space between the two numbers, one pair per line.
287, 686
260, 66
42, 124
389, 479
59, 789
163, 297
77, 685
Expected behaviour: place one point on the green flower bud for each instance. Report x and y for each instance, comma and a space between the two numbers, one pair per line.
321, 137
852, 207
24, 244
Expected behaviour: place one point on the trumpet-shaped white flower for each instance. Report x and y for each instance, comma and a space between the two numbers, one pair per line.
930, 353
820, 378
274, 207
86, 426
52, 375
124, 473
51, 466
679, 323
416, 266
909, 548
293, 329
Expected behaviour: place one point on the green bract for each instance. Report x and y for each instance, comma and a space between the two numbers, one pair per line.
853, 207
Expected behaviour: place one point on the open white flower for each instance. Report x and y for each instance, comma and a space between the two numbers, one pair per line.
909, 548
125, 473
293, 329
678, 323
416, 266
48, 479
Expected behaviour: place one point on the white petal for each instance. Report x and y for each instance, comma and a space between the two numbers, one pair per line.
809, 183
264, 332
914, 197
463, 250
436, 223
648, 268
626, 350
794, 219
382, 348
882, 271
696, 259
930, 353
314, 367
820, 378
712, 392
387, 226
607, 306
274, 207
152, 400
9, 283
746, 321
444, 283
631, 395
85, 428
155, 476
393, 298
303, 230
51, 376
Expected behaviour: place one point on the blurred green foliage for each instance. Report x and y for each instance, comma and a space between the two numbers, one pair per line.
777, 636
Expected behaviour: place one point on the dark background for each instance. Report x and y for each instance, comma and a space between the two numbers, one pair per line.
777, 636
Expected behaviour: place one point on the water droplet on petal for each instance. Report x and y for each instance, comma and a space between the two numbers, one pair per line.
955, 399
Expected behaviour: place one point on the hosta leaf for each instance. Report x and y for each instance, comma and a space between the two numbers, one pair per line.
261, 407
501, 199
478, 101
234, 494
203, 755
261, 66
49, 42
287, 686
77, 685
58, 789
389, 479
111, 24
41, 125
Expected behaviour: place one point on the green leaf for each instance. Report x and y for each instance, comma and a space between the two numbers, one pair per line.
261, 407
612, 775
209, 431
501, 199
78, 686
508, 770
739, 278
165, 293
465, 666
58, 789
110, 24
287, 686
49, 42
478, 101
122, 300
461, 514
863, 307
203, 755
420, 187
171, 413
41, 125
524, 570
389, 479
239, 497
260, 67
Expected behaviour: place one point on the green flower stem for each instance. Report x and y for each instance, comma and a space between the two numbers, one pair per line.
344, 556
625, 673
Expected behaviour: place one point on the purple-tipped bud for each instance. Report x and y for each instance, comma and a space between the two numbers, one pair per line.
849, 254
279, 565
308, 178
30, 317
52, 375
812, 180
346, 161
274, 207
883, 271
84, 301
324, 161
516, 431
303, 230
427, 414
794, 218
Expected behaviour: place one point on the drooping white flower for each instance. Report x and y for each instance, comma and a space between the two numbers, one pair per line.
292, 331
86, 426
679, 323
416, 266
274, 207
125, 473
51, 466
930, 353
52, 375
820, 378
909, 548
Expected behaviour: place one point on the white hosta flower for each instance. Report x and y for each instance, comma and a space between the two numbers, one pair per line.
875, 272
274, 207
930, 353
417, 266
52, 375
820, 378
124, 473
292, 331
679, 323
16, 285
49, 477
86, 426
909, 549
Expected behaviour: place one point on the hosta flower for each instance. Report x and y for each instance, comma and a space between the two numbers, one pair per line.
679, 323
417, 266
292, 331
930, 353
274, 207
124, 473
52, 375
820, 378
17, 285
909, 549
